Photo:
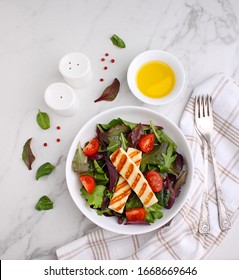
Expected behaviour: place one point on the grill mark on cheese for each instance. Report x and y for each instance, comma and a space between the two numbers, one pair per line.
134, 153
119, 197
138, 162
114, 155
121, 185
142, 190
129, 171
121, 163
148, 198
136, 180
119, 208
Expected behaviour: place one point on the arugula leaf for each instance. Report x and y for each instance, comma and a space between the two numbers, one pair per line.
44, 203
161, 136
153, 213
97, 167
94, 199
117, 41
27, 155
80, 162
113, 145
101, 179
43, 120
124, 142
44, 170
169, 159
100, 176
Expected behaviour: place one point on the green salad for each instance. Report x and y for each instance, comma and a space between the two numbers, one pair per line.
160, 171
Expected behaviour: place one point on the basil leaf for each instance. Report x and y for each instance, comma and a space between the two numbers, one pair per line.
117, 41
27, 155
44, 203
110, 93
43, 120
44, 169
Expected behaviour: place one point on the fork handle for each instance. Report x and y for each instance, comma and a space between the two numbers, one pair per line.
204, 224
224, 221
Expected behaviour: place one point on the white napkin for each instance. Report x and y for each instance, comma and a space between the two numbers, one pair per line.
181, 239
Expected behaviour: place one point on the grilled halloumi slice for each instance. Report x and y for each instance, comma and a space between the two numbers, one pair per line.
129, 170
123, 189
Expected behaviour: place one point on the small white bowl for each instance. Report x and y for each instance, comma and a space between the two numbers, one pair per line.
156, 55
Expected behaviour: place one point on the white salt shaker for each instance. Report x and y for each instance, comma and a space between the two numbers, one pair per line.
76, 69
62, 99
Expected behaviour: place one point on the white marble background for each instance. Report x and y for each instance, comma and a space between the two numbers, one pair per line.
34, 35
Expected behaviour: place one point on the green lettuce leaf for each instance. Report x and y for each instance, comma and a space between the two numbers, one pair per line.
95, 198
133, 202
154, 157
153, 213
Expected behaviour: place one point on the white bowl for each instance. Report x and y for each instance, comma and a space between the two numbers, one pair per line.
158, 55
133, 114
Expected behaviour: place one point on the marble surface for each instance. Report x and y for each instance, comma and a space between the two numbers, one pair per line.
34, 35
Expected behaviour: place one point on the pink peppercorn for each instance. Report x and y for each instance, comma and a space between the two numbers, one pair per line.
112, 60
58, 140
106, 54
105, 68
45, 144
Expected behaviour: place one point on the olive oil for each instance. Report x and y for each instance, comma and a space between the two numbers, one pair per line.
155, 79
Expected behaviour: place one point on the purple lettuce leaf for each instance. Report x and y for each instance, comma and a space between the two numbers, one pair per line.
110, 93
113, 173
172, 194
135, 135
136, 223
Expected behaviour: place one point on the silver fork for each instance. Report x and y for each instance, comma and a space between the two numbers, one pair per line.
204, 123
204, 221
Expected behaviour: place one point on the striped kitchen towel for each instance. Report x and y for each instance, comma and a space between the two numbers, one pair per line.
181, 239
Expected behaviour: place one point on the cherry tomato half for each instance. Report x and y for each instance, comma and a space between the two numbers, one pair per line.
92, 147
146, 143
136, 214
155, 180
88, 183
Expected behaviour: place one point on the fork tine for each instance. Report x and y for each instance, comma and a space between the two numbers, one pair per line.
209, 103
196, 107
201, 106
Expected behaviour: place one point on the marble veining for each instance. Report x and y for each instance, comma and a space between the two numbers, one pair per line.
34, 35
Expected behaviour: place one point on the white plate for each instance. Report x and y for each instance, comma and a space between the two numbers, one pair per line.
137, 115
